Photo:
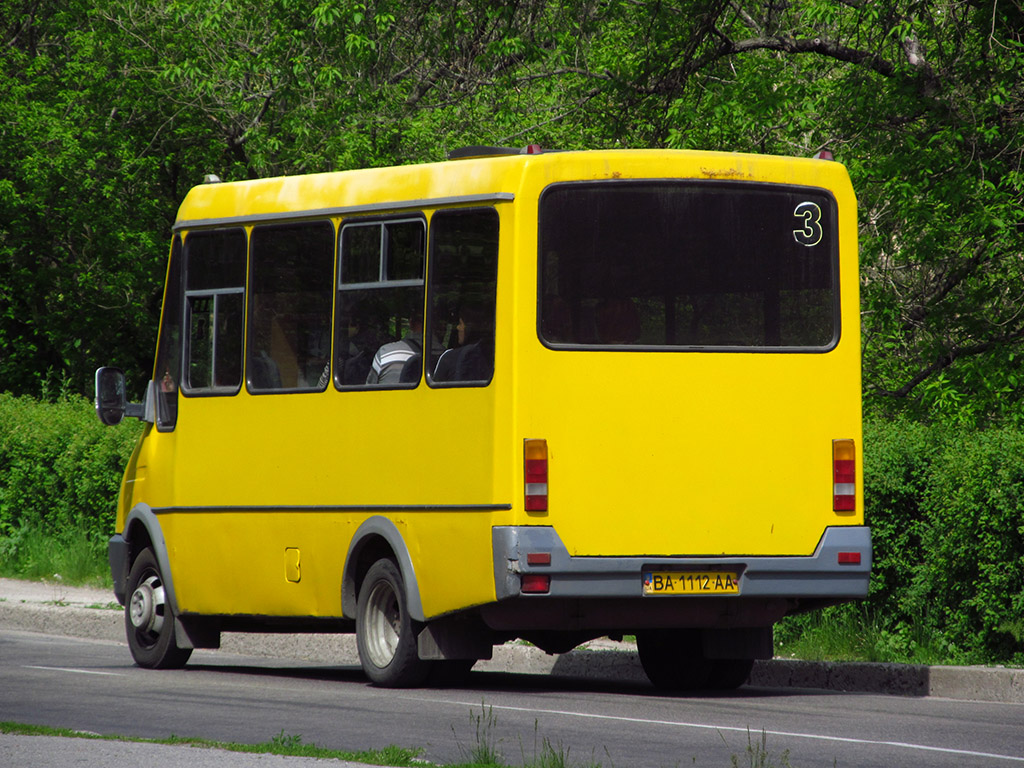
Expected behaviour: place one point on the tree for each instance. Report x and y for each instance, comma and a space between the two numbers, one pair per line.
923, 101
79, 260
112, 109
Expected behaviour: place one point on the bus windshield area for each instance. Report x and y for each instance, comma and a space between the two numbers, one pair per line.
688, 265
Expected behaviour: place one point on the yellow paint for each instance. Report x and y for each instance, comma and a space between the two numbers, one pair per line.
649, 453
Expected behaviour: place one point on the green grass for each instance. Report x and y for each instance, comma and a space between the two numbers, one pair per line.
70, 557
483, 755
849, 633
758, 756
282, 744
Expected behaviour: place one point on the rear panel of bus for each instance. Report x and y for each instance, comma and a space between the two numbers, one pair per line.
690, 351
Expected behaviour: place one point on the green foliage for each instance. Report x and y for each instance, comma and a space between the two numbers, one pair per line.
289, 745
60, 472
758, 756
946, 509
113, 109
850, 632
65, 557
970, 588
484, 750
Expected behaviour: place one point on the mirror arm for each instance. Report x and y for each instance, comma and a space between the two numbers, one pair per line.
146, 410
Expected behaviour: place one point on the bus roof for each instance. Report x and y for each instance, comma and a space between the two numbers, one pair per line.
477, 179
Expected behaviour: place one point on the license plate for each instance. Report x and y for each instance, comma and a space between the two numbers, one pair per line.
691, 583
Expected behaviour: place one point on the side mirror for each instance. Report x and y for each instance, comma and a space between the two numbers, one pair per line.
111, 400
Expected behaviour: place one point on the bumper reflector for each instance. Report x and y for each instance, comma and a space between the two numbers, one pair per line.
535, 583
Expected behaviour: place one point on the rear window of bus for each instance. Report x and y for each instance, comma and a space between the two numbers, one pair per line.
705, 265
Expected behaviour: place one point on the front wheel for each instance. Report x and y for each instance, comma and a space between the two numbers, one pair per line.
149, 619
385, 633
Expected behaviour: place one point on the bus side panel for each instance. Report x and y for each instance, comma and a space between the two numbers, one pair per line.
268, 473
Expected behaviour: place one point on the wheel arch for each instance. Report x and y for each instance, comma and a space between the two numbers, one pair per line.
141, 530
376, 538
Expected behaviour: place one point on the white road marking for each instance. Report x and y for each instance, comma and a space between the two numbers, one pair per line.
72, 669
736, 729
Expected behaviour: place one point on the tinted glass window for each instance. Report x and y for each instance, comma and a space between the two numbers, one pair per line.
290, 289
695, 264
463, 292
214, 306
168, 353
379, 320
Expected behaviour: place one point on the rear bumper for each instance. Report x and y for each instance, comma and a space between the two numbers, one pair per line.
819, 576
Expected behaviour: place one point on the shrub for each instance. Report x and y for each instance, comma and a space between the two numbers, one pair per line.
946, 510
60, 469
898, 457
970, 585
945, 505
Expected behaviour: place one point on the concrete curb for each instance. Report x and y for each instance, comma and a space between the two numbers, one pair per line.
78, 612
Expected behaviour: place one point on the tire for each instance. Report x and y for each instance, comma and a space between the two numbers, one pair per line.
385, 633
450, 672
729, 674
149, 618
674, 659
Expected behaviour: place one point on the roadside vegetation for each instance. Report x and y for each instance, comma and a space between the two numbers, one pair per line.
484, 753
60, 470
945, 504
120, 108
282, 744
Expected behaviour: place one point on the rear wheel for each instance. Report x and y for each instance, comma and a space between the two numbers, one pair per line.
385, 633
729, 674
674, 659
149, 619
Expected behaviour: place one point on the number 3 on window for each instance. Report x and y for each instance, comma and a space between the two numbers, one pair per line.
810, 233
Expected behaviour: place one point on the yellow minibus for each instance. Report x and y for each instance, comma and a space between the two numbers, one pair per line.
516, 394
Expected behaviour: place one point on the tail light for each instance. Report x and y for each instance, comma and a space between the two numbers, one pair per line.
844, 476
535, 471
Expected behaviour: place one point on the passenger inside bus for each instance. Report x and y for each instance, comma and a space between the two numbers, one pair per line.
473, 358
391, 358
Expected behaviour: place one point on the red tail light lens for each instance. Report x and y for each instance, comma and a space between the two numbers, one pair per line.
844, 476
536, 583
536, 475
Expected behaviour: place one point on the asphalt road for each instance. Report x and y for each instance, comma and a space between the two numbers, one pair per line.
92, 685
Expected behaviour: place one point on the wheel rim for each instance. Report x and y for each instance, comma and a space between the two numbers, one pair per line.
384, 622
147, 608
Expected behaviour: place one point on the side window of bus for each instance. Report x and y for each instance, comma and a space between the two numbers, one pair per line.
289, 340
168, 353
463, 290
214, 291
378, 335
